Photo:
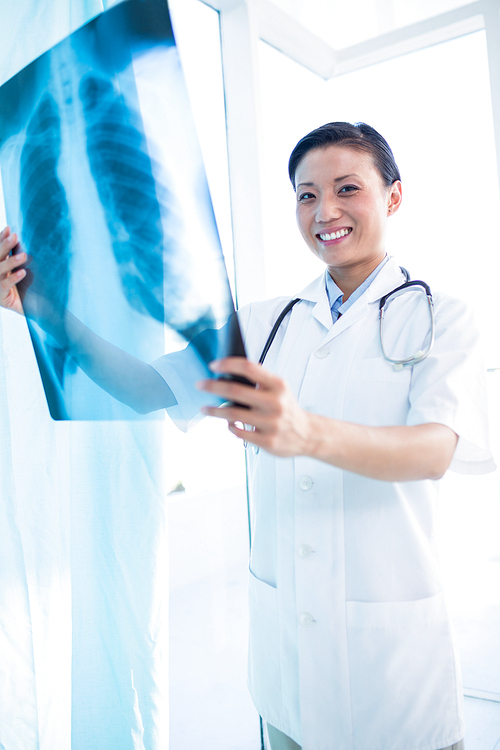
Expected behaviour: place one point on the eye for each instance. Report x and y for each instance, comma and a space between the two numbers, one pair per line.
304, 197
348, 189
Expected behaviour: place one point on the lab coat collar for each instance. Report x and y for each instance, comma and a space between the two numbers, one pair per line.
389, 277
316, 292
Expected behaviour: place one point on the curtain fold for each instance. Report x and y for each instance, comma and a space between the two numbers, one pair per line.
83, 573
18, 692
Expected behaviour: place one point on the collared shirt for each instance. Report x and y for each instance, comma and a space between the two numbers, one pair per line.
335, 294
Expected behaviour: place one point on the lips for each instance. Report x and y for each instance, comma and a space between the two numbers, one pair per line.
328, 236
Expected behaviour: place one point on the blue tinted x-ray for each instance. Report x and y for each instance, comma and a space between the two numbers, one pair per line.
104, 182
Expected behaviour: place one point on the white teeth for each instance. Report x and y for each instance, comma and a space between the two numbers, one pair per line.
334, 235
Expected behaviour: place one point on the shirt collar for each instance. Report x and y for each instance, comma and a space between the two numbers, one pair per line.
335, 294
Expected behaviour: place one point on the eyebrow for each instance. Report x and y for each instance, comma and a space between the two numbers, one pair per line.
345, 177
337, 179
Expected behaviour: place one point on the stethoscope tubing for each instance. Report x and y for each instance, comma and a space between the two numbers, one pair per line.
397, 363
275, 328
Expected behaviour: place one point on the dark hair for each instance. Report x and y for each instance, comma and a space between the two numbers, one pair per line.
358, 136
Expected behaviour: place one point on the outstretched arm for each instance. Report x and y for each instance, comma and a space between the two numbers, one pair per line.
282, 427
122, 375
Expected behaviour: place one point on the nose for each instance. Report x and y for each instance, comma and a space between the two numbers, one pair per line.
327, 208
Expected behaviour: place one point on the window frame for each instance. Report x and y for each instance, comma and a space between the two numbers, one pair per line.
243, 23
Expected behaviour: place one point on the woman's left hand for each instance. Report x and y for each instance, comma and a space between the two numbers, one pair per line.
276, 421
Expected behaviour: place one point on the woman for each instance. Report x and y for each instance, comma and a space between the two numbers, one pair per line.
350, 642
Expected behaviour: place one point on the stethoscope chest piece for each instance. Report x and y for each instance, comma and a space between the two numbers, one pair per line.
398, 363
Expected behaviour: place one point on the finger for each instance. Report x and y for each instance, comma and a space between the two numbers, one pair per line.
15, 276
256, 401
231, 414
251, 422
7, 284
12, 262
248, 435
7, 245
231, 391
243, 367
24, 282
4, 233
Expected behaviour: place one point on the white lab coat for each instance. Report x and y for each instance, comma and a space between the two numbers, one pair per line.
350, 642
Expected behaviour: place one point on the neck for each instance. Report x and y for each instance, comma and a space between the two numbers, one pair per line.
349, 278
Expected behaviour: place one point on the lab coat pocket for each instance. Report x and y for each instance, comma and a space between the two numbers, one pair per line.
264, 680
378, 368
376, 393
403, 674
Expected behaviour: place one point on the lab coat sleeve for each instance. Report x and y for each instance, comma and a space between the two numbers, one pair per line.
182, 369
449, 387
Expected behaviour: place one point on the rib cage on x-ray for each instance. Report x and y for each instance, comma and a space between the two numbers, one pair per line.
122, 172
46, 221
150, 260
104, 181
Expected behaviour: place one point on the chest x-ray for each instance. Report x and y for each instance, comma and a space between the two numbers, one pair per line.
104, 182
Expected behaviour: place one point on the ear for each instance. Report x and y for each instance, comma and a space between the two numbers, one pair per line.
395, 196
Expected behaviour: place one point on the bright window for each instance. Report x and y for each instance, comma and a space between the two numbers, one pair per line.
344, 24
210, 707
434, 109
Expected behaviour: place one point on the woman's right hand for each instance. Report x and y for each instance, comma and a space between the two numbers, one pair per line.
9, 276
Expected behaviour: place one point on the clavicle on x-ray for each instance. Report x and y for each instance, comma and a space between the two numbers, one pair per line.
104, 182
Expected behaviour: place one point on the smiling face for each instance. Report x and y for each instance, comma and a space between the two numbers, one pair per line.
342, 209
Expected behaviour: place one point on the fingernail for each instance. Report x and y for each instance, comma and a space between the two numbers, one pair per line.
214, 366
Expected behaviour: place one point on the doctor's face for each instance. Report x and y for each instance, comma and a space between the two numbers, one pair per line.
342, 208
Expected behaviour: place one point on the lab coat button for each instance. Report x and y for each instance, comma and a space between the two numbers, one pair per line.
322, 352
305, 483
304, 550
306, 620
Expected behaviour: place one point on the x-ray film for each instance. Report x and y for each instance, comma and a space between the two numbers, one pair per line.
104, 182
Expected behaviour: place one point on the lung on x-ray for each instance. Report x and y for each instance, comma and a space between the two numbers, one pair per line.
104, 181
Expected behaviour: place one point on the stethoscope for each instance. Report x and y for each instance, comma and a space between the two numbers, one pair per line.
397, 364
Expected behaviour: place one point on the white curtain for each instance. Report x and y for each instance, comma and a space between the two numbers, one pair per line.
83, 574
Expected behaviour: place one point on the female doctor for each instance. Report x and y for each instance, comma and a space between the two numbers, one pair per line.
350, 641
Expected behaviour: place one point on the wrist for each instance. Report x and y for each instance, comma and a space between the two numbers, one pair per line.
323, 441
313, 435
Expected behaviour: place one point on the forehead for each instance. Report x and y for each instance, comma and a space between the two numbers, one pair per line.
332, 162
